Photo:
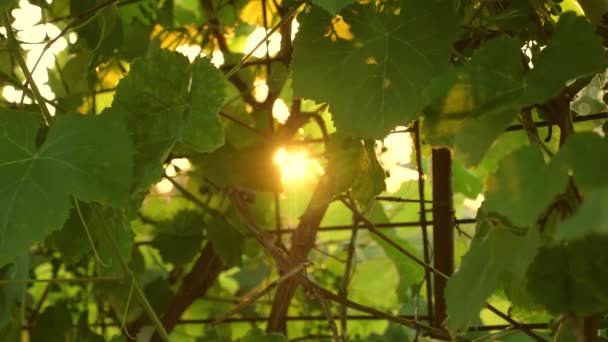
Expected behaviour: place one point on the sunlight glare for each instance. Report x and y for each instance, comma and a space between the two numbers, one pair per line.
474, 204
183, 164
398, 151
164, 186
260, 90
295, 26
26, 15
217, 58
11, 94
29, 31
280, 111
274, 43
296, 166
190, 51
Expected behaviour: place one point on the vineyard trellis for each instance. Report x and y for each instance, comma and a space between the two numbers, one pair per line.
288, 246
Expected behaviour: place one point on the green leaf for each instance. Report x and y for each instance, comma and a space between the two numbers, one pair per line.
370, 287
591, 217
252, 167
515, 191
84, 333
355, 167
495, 251
465, 181
372, 63
71, 240
258, 335
75, 75
226, 239
53, 325
153, 96
586, 155
332, 6
107, 223
103, 32
203, 131
12, 294
575, 50
571, 278
6, 4
474, 103
159, 294
161, 109
179, 239
83, 156
410, 273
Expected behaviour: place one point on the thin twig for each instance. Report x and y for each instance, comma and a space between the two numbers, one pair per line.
192, 198
285, 264
423, 223
399, 199
286, 18
61, 280
36, 310
329, 317
81, 17
260, 294
373, 229
346, 277
15, 49
242, 124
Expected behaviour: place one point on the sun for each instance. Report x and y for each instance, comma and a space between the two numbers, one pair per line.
296, 166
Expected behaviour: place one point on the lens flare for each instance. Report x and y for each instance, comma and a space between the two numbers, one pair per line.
296, 165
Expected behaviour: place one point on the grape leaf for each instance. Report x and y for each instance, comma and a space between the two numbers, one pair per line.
54, 324
12, 294
251, 167
332, 6
179, 239
153, 96
108, 223
591, 217
87, 157
372, 63
83, 331
71, 240
226, 239
514, 190
409, 273
355, 167
202, 130
103, 32
494, 252
73, 243
474, 103
574, 40
370, 287
257, 335
571, 278
161, 110
6, 4
586, 155
465, 181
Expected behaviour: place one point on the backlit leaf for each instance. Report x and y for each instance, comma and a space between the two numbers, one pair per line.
495, 252
515, 190
85, 157
333, 6
574, 40
371, 63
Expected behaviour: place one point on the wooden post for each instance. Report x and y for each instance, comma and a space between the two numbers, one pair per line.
443, 228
